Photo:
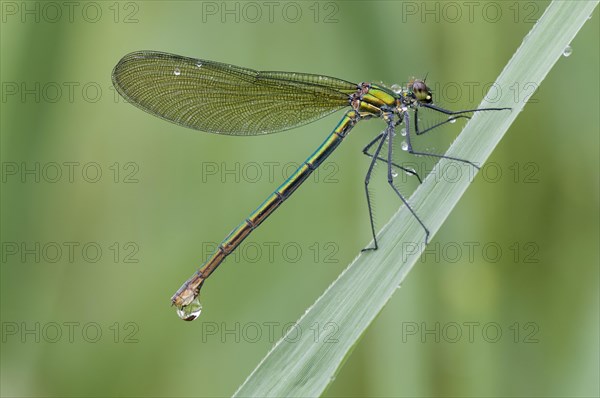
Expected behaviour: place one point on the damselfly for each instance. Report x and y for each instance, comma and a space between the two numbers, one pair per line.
227, 99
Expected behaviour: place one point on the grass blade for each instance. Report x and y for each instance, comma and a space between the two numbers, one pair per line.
305, 366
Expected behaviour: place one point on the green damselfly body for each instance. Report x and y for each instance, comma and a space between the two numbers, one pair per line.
231, 100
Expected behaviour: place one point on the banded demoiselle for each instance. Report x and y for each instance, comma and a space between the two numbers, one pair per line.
226, 99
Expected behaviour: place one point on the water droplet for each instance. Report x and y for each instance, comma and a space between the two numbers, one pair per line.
567, 51
394, 173
177, 72
452, 120
589, 17
199, 64
404, 146
396, 88
410, 171
191, 311
403, 132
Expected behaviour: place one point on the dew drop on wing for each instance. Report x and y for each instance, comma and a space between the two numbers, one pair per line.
177, 72
567, 51
404, 146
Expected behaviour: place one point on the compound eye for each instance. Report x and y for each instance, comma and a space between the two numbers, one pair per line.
421, 91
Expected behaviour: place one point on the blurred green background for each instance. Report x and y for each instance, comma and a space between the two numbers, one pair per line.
505, 302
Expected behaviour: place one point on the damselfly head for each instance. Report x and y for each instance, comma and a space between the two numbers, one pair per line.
419, 91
